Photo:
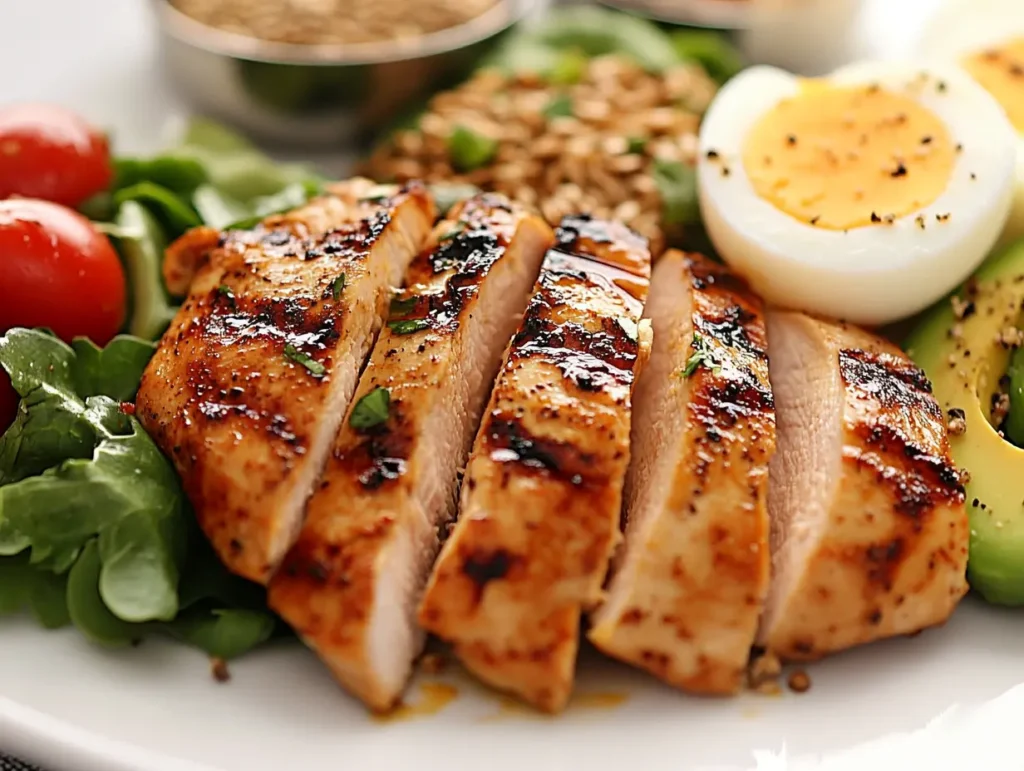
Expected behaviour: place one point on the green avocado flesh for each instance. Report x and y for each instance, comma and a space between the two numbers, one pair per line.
965, 361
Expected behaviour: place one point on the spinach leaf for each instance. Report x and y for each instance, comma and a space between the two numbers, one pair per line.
710, 50
113, 371
176, 172
225, 633
124, 491
173, 212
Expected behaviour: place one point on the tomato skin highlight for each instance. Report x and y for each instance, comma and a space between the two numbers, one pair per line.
51, 153
58, 271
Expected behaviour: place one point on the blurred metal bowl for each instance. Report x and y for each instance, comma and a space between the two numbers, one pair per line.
307, 95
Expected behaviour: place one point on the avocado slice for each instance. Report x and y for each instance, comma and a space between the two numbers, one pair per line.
965, 361
142, 243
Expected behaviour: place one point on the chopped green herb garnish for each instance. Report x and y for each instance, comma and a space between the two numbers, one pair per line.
339, 285
636, 145
701, 357
225, 291
470, 150
569, 68
559, 107
307, 361
408, 326
402, 306
371, 410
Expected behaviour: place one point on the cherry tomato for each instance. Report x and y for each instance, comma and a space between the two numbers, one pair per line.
58, 271
51, 153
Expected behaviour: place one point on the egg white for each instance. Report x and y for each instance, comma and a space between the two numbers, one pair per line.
965, 27
873, 274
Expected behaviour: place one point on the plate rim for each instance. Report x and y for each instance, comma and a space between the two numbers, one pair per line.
33, 736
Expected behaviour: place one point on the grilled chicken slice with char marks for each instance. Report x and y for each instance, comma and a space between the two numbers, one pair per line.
689, 584
541, 499
350, 584
249, 384
869, 528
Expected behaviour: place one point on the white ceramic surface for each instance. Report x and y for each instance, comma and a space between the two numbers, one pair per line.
944, 700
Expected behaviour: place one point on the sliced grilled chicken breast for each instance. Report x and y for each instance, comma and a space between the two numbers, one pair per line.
542, 495
868, 524
350, 584
690, 580
249, 384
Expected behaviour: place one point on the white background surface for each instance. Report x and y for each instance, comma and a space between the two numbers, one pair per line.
281, 711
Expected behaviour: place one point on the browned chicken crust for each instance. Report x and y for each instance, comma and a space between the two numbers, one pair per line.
685, 599
541, 500
869, 527
250, 382
350, 584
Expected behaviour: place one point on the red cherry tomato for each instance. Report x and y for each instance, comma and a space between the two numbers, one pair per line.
8, 401
51, 153
58, 271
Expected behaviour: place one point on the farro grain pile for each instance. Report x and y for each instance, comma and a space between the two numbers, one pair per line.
620, 142
311, 22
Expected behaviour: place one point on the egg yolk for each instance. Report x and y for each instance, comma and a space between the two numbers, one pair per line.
845, 157
1001, 72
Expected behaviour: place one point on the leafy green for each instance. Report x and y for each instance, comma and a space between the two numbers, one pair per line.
372, 410
710, 50
172, 211
178, 173
94, 528
636, 145
677, 184
589, 32
470, 150
338, 287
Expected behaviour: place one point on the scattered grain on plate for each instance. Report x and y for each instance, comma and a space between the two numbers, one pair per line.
333, 22
627, 130
763, 674
219, 670
799, 681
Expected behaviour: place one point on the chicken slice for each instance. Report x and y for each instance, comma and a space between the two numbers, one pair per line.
250, 382
690, 581
541, 500
868, 524
350, 584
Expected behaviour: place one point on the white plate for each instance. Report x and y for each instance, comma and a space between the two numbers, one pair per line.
148, 707
74, 707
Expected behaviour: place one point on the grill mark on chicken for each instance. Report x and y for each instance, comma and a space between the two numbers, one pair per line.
469, 256
247, 385
508, 441
543, 485
350, 584
895, 384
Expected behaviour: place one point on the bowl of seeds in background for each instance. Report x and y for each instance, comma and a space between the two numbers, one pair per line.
590, 110
323, 72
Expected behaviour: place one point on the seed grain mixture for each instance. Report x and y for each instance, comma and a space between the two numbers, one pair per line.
618, 142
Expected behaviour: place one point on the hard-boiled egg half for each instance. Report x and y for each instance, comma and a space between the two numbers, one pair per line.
986, 38
866, 195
